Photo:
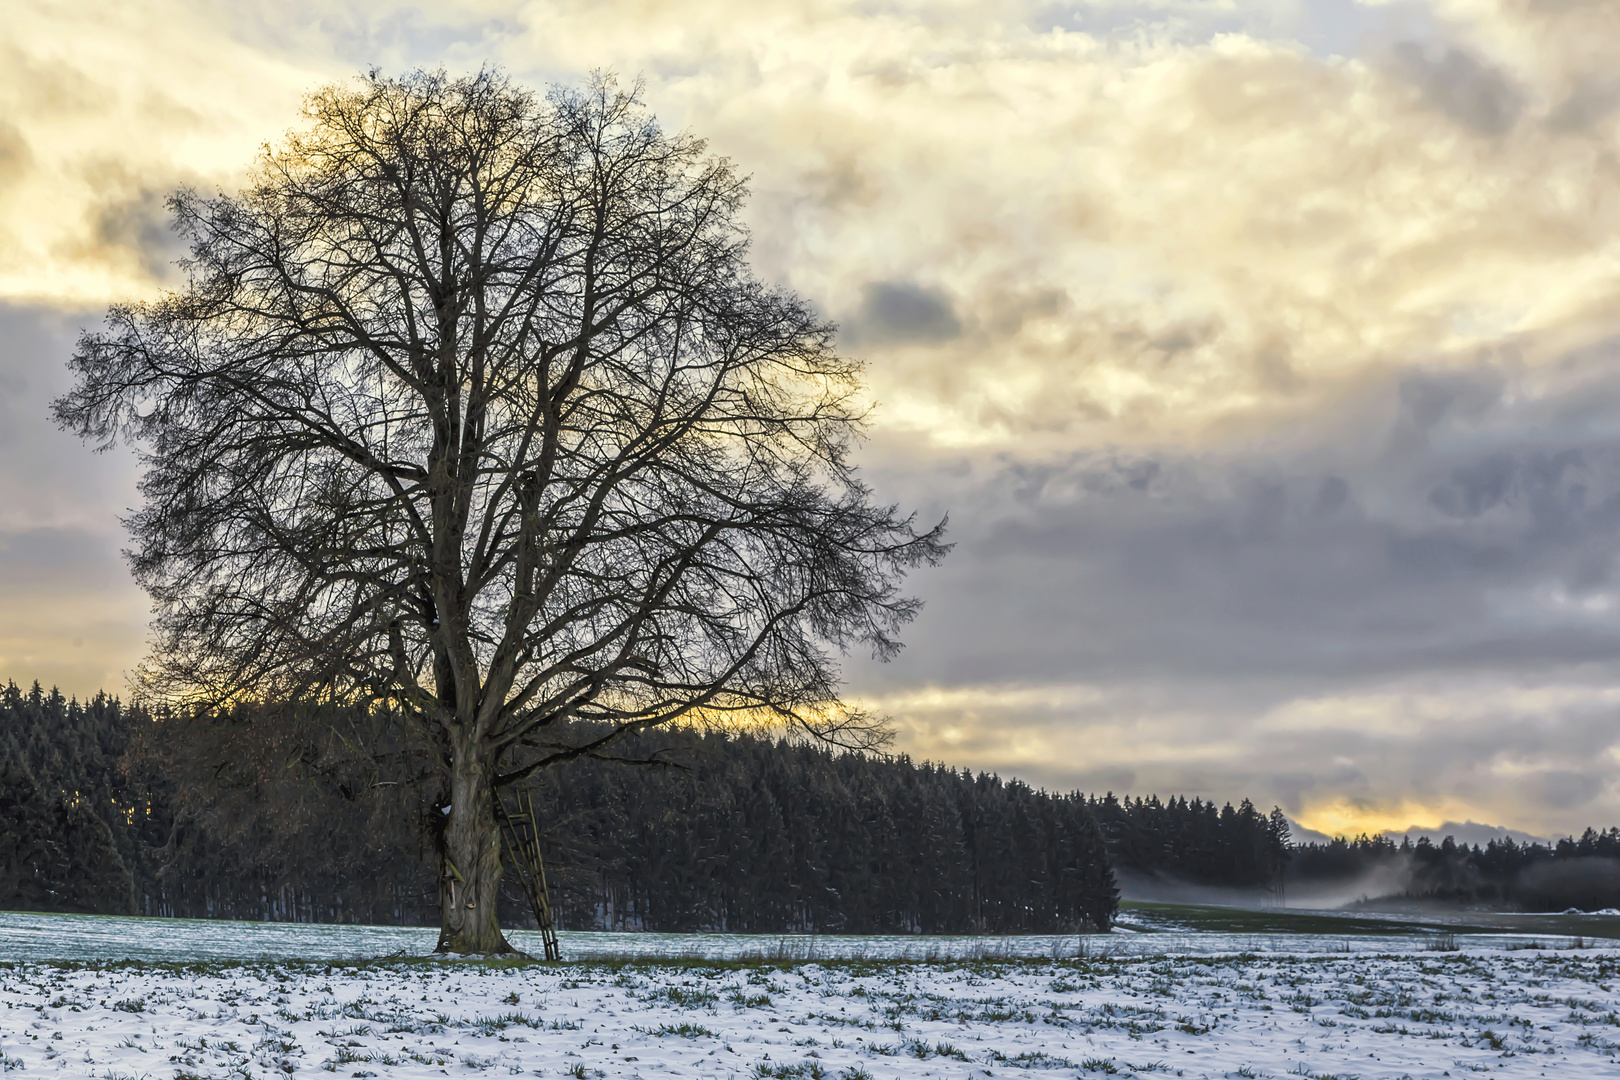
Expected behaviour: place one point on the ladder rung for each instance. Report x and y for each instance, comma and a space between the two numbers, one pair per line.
520, 834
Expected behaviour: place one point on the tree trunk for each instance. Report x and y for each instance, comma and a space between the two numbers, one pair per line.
470, 858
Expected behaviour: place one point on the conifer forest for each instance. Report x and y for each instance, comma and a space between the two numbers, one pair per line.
261, 814
108, 811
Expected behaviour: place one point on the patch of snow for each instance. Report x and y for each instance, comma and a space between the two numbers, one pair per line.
1417, 1014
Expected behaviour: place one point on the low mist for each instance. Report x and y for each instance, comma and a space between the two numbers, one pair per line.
1379, 875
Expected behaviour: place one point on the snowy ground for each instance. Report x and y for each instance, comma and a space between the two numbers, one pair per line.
1141, 930
1523, 1013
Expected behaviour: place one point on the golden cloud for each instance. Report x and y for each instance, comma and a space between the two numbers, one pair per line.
1133, 239
108, 107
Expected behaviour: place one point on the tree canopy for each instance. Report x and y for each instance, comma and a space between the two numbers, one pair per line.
471, 405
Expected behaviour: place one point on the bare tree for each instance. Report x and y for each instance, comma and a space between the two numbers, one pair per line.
471, 405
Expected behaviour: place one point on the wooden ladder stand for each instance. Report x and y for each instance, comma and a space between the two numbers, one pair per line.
521, 838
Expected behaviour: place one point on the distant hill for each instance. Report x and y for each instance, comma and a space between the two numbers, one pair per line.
1470, 833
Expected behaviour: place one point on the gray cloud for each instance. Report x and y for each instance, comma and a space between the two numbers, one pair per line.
1464, 87
14, 154
73, 617
47, 478
901, 313
51, 558
1588, 104
1370, 561
1439, 555
1567, 789
138, 225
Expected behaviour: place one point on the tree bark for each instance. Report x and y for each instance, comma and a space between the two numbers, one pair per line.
470, 857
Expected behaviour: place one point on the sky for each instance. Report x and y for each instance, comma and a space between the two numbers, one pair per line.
1265, 355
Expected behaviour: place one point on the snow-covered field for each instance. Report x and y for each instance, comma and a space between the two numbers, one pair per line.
1522, 1013
32, 936
1141, 931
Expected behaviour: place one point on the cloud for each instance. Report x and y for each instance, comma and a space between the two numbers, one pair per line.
1399, 755
73, 617
47, 479
1465, 88
901, 313
1589, 103
1413, 605
91, 92
1265, 356
14, 155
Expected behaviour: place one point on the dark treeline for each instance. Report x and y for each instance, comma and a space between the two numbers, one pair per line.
75, 836
761, 835
1195, 842
266, 815
99, 819
329, 817
1579, 873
